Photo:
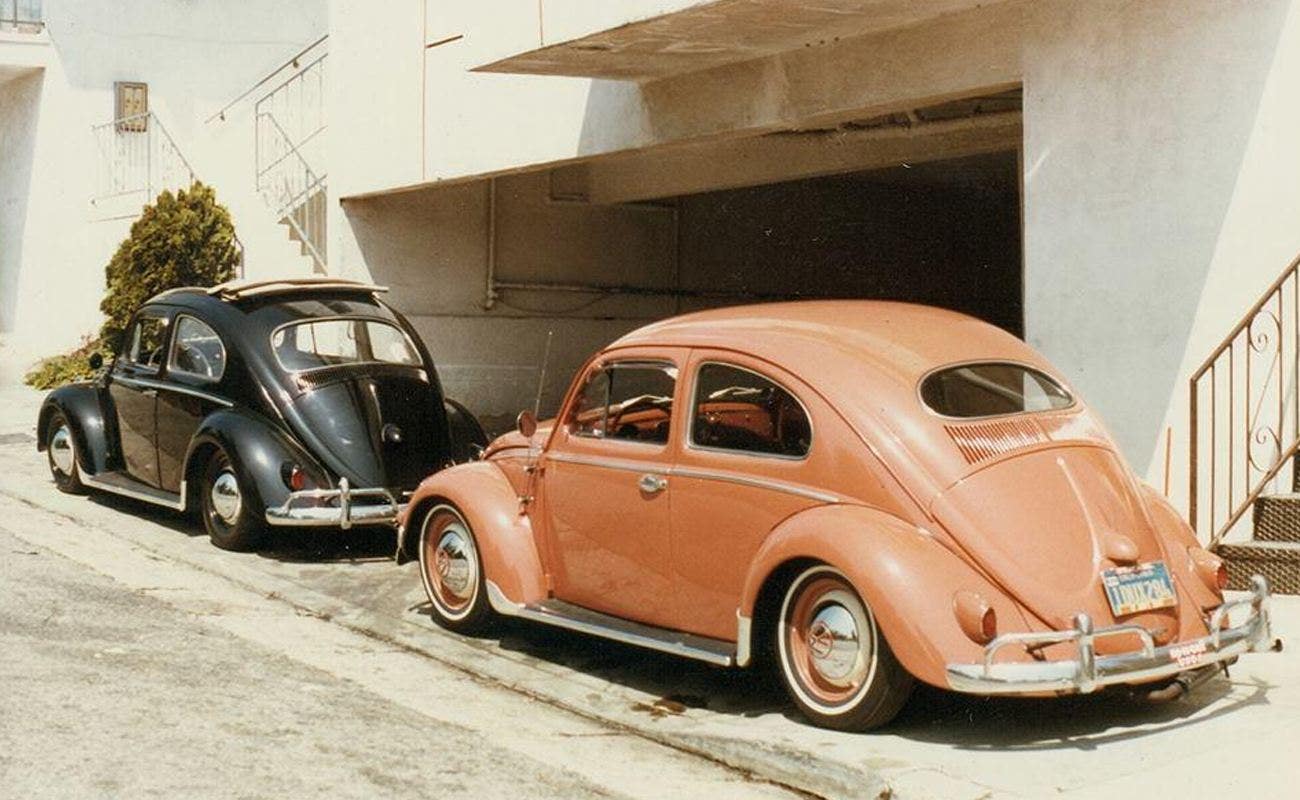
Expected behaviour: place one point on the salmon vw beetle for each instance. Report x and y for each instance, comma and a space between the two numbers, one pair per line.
874, 493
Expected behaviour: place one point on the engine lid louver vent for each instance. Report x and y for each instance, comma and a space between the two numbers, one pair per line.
981, 441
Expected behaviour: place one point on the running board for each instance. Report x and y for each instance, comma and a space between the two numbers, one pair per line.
125, 485
583, 620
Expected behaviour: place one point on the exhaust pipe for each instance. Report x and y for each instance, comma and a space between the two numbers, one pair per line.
1183, 684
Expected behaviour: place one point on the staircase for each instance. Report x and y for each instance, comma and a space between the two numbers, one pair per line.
1274, 549
1245, 436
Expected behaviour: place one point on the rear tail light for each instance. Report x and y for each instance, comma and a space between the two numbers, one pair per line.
294, 477
1209, 567
976, 617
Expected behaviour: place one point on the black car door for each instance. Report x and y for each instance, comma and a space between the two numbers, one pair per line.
133, 388
196, 363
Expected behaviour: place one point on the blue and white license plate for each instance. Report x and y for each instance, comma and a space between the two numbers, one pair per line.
1138, 588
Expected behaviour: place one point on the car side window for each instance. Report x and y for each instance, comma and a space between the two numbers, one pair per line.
197, 351
739, 410
629, 401
147, 338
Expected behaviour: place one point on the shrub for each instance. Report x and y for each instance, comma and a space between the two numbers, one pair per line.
185, 239
182, 239
57, 370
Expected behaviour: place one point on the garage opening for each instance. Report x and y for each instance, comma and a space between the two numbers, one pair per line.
944, 233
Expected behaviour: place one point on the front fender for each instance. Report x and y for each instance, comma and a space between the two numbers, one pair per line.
258, 449
80, 405
906, 576
491, 506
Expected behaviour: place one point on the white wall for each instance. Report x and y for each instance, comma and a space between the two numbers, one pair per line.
1162, 193
195, 55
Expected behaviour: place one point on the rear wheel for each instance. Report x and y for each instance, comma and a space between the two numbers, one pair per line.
453, 572
228, 516
61, 453
835, 662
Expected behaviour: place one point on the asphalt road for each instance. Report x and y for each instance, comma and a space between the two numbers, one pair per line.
119, 690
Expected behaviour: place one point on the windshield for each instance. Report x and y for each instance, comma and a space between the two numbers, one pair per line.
332, 342
990, 390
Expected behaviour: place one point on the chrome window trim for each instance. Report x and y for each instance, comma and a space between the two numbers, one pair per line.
270, 340
691, 472
172, 369
148, 383
690, 423
629, 363
1011, 362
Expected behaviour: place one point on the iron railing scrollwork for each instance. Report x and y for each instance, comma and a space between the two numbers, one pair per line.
1244, 418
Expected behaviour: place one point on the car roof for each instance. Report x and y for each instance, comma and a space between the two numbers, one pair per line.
899, 341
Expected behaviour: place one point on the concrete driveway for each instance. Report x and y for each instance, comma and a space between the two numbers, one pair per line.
1234, 737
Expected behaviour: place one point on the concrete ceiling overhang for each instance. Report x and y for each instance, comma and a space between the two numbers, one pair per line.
711, 34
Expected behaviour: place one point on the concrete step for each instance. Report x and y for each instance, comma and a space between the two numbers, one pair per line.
1277, 518
1279, 562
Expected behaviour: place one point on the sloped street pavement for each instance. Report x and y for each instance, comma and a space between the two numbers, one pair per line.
140, 660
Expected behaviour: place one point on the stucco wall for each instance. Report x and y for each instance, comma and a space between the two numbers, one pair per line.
194, 55
1162, 192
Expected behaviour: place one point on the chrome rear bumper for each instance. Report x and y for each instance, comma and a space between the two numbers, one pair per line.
1090, 672
312, 508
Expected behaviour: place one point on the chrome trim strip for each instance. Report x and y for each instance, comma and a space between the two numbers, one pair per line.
759, 483
691, 472
144, 496
1089, 672
617, 630
148, 383
625, 465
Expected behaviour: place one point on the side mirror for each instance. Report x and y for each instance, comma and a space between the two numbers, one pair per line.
526, 422
96, 360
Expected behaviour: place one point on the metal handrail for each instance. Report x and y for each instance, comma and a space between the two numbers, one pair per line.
138, 158
1256, 432
291, 63
286, 208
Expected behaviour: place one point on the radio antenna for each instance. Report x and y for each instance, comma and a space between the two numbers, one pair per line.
541, 379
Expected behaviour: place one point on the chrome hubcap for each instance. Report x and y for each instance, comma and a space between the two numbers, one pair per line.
838, 654
455, 563
226, 501
61, 450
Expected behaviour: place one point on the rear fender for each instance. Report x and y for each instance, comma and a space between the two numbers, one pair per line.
483, 495
80, 405
906, 576
258, 451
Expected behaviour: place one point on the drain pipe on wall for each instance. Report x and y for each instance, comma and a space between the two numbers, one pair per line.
490, 294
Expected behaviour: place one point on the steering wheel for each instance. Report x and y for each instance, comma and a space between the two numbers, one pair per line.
198, 359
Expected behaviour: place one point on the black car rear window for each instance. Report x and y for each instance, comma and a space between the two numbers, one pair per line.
991, 389
313, 344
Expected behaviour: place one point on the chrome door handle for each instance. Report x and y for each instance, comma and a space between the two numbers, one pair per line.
652, 484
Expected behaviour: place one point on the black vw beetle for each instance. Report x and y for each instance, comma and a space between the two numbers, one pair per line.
300, 402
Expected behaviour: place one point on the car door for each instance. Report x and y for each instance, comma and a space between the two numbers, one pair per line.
134, 391
606, 489
746, 464
196, 364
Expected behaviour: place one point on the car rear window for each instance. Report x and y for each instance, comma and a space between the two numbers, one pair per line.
333, 342
991, 390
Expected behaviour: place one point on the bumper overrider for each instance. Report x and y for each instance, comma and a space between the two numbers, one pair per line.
1090, 672
337, 508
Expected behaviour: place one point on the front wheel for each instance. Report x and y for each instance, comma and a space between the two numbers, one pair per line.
452, 571
231, 521
61, 453
835, 662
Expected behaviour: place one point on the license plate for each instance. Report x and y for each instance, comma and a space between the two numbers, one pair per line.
1138, 588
